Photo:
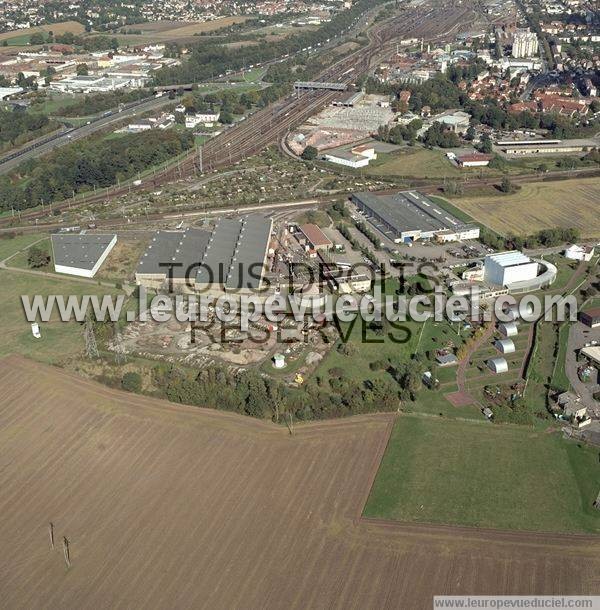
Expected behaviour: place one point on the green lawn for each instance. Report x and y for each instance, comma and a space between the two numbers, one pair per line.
370, 347
415, 162
60, 340
10, 246
482, 475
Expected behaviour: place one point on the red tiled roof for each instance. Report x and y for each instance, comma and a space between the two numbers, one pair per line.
315, 236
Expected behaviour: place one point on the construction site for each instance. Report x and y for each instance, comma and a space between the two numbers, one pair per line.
355, 117
294, 260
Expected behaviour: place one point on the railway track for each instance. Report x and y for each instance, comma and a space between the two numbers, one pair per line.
268, 125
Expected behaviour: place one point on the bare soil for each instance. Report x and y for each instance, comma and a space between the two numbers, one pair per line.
177, 507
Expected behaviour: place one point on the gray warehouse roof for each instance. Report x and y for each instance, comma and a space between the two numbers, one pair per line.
225, 255
408, 211
79, 251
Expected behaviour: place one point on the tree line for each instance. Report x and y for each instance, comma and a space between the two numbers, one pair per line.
209, 60
89, 164
19, 126
546, 238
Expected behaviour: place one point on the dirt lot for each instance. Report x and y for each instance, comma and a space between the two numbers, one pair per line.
169, 506
568, 203
121, 263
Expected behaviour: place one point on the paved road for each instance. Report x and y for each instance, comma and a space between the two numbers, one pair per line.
82, 132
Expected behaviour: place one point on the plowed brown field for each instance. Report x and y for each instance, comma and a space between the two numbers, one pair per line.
175, 507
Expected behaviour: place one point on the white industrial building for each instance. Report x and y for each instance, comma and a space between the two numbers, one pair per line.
81, 255
359, 156
498, 365
208, 119
579, 253
91, 84
457, 121
506, 268
409, 216
505, 346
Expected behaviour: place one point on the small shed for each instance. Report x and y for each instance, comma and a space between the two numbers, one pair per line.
498, 365
508, 329
446, 359
279, 361
505, 346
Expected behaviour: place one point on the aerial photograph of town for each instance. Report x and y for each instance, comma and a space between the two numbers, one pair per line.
302, 304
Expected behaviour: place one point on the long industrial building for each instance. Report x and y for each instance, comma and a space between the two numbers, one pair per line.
408, 216
231, 257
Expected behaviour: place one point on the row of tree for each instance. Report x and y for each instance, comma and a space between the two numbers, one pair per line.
207, 61
546, 238
18, 126
89, 164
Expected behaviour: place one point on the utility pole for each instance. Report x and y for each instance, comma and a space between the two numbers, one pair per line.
66, 551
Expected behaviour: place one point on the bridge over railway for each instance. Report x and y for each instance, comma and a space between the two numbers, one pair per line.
316, 86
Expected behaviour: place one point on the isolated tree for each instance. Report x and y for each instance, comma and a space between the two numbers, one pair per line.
506, 186
310, 153
132, 382
37, 38
82, 70
37, 258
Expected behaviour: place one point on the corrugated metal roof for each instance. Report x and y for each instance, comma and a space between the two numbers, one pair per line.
409, 211
232, 254
509, 258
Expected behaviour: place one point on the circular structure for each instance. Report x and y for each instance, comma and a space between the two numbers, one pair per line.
545, 278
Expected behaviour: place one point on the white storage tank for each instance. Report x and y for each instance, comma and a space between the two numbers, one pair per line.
279, 361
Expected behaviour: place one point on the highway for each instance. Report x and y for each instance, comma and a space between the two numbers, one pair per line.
431, 22
46, 145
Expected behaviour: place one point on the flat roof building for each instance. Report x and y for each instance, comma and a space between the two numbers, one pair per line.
230, 257
347, 158
81, 255
593, 353
409, 215
506, 268
316, 239
590, 318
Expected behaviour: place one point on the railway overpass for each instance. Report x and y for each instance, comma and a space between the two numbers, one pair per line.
315, 86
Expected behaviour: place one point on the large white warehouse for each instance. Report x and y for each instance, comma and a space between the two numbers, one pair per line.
506, 268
